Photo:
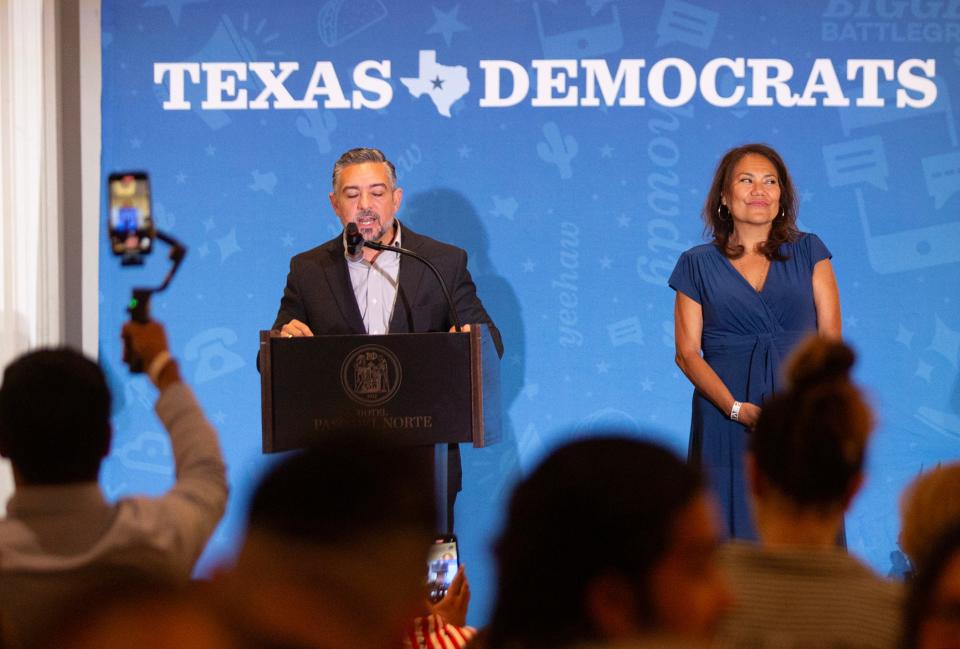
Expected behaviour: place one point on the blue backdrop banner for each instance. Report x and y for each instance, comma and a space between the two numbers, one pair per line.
567, 145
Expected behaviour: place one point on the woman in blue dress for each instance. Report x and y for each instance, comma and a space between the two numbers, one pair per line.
742, 302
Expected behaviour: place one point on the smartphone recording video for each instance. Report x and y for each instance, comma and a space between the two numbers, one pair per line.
442, 564
129, 218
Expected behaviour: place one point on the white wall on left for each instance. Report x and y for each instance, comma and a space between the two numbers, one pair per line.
31, 311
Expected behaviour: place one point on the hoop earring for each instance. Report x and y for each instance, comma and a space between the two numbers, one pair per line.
720, 213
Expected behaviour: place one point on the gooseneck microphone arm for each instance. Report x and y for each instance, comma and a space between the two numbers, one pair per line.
454, 318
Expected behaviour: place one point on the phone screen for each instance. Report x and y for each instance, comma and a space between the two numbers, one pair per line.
129, 220
442, 564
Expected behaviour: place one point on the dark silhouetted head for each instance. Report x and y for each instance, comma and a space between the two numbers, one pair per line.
54, 417
598, 517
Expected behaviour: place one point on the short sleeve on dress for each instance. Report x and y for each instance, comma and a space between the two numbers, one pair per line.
816, 250
684, 277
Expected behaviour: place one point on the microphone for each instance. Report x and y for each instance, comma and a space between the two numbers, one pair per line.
354, 242
375, 245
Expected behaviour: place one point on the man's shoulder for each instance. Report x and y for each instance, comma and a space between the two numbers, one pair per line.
317, 253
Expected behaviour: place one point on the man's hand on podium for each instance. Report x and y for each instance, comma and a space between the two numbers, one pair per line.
295, 329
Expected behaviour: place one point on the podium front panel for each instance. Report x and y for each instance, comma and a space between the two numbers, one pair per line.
415, 388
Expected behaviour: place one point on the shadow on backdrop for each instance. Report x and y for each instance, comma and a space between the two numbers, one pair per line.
488, 474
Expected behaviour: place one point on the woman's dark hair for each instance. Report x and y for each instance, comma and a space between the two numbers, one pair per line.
810, 439
600, 506
719, 223
925, 582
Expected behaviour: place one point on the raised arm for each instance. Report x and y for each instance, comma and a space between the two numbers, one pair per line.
688, 328
187, 515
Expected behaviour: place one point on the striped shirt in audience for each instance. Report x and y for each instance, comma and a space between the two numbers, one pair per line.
807, 598
432, 632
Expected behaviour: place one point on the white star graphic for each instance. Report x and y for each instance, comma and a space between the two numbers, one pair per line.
211, 150
528, 266
603, 367
464, 151
606, 263
606, 151
946, 342
446, 24
904, 336
181, 178
228, 245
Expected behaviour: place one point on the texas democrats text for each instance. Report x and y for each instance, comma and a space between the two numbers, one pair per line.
668, 82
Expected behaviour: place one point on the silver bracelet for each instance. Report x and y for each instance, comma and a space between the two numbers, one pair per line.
735, 411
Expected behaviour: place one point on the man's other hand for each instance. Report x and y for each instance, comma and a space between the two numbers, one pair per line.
295, 329
463, 328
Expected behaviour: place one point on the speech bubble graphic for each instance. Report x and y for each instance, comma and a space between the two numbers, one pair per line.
625, 331
942, 173
857, 161
682, 22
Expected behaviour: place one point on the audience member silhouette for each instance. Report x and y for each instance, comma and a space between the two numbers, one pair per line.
336, 548
929, 505
609, 540
61, 535
798, 588
932, 618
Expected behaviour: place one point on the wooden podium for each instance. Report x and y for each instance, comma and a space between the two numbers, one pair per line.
423, 389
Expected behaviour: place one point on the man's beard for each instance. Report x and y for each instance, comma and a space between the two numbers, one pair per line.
372, 229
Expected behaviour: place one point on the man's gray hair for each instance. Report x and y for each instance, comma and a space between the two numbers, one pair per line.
359, 156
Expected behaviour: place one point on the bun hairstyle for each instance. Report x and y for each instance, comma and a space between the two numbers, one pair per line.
811, 439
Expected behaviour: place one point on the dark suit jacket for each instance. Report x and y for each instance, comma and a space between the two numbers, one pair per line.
319, 292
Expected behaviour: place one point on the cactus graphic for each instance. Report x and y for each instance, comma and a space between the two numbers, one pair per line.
558, 149
318, 125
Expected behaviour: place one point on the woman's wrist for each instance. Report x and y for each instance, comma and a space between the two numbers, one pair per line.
735, 411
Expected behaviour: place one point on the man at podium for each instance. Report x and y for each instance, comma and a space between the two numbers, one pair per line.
331, 291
